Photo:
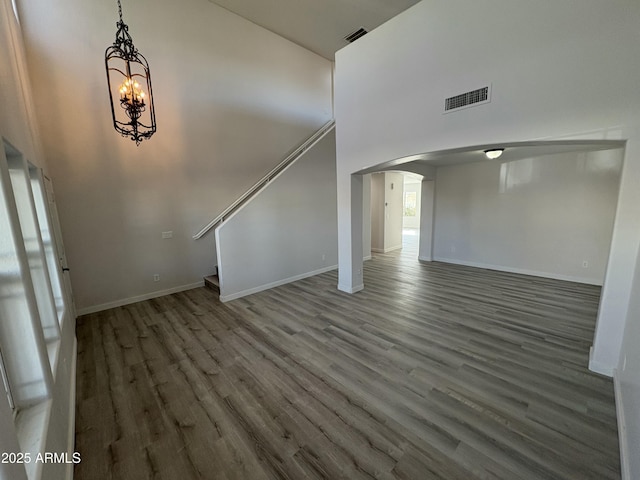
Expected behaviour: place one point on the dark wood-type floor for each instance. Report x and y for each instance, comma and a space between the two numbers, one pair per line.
434, 371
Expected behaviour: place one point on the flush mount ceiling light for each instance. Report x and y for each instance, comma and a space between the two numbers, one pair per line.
129, 83
494, 153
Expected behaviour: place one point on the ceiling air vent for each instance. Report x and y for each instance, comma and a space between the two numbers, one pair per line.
469, 99
352, 37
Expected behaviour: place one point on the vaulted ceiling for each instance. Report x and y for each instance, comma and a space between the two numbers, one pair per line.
318, 25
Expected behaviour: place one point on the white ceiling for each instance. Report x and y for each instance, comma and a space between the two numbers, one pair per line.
318, 25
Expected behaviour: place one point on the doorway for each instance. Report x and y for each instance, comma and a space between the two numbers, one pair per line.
412, 189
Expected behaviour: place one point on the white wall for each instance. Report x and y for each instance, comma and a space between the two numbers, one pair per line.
541, 216
366, 217
543, 62
393, 188
427, 211
386, 211
558, 70
377, 212
18, 127
17, 121
232, 100
287, 232
628, 387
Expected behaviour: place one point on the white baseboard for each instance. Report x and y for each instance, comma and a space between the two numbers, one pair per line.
139, 298
386, 250
72, 408
599, 367
522, 271
277, 283
622, 429
350, 289
425, 259
368, 257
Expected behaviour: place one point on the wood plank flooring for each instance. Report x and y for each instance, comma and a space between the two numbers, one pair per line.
434, 371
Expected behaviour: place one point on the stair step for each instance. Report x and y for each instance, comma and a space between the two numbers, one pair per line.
212, 282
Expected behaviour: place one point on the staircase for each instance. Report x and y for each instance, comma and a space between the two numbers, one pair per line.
212, 282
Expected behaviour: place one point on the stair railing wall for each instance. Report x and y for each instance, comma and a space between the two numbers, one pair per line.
277, 170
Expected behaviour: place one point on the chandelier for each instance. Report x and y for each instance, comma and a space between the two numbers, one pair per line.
129, 83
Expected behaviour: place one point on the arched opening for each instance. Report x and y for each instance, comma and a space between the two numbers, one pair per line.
543, 208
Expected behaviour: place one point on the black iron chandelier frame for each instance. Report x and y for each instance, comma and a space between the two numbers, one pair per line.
124, 61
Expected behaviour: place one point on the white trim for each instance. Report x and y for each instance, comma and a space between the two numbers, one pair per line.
522, 271
622, 428
425, 259
368, 257
139, 298
32, 426
349, 289
386, 250
598, 367
277, 283
333, 89
219, 268
71, 435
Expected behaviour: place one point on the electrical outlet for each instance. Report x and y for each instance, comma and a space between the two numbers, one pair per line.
156, 277
168, 234
585, 264
323, 257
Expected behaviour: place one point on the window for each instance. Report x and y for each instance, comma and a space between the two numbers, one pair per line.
34, 299
31, 236
29, 330
410, 204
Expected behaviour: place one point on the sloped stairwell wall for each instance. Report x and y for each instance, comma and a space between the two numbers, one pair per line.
286, 232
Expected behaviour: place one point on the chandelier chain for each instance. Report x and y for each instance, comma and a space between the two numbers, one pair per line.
120, 10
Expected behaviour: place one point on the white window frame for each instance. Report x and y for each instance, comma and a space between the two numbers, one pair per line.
5, 381
26, 357
15, 10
